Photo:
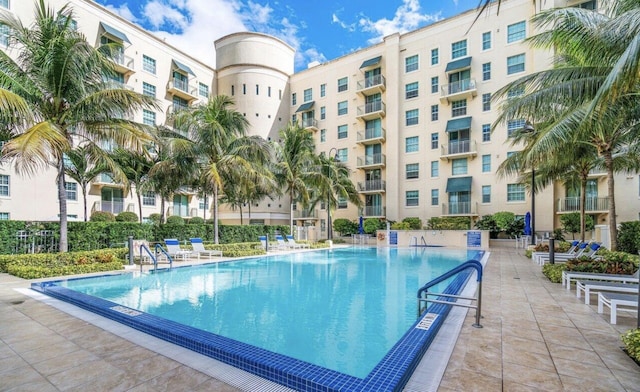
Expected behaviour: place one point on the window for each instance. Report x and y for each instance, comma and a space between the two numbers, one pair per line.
323, 135
4, 3
72, 190
516, 32
411, 117
343, 84
434, 84
435, 197
244, 89
459, 166
294, 118
514, 125
435, 168
435, 56
233, 90
486, 132
203, 90
148, 117
434, 141
343, 108
323, 90
515, 192
486, 163
148, 64
412, 198
308, 95
269, 91
515, 64
148, 89
203, 205
412, 170
515, 92
4, 185
486, 40
4, 35
294, 99
486, 71
411, 144
323, 113
257, 89
459, 108
342, 155
486, 193
148, 199
435, 109
342, 132
411, 90
589, 5
411, 63
459, 49
486, 102
4, 216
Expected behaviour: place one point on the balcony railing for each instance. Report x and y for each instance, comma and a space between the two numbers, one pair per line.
372, 160
459, 148
310, 123
182, 88
372, 186
304, 214
460, 208
377, 83
115, 206
371, 135
372, 110
374, 211
572, 204
124, 63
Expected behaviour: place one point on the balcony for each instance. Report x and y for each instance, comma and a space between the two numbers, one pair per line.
372, 186
462, 89
371, 85
124, 64
182, 89
114, 206
371, 136
374, 212
463, 208
597, 173
310, 123
372, 161
372, 111
593, 204
459, 149
305, 215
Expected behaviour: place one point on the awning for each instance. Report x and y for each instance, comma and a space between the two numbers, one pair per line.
114, 32
459, 184
371, 62
458, 64
183, 67
458, 124
305, 106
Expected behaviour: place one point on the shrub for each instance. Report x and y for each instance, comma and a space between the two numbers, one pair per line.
504, 219
631, 340
371, 225
488, 223
155, 218
401, 226
43, 265
127, 216
553, 271
175, 220
345, 226
414, 223
611, 263
196, 220
449, 223
102, 216
571, 223
629, 237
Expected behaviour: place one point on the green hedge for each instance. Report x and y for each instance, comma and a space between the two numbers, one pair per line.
631, 340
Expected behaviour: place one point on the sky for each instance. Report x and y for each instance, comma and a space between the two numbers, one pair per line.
319, 30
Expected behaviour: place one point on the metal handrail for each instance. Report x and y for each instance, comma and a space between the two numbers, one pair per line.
423, 292
144, 247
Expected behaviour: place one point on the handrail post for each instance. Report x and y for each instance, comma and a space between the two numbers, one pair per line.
130, 244
479, 306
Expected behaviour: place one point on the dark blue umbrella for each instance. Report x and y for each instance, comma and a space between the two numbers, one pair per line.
527, 224
361, 226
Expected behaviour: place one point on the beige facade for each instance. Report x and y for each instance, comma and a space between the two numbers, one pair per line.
410, 116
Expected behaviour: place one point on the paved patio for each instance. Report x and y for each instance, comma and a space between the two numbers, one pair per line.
536, 337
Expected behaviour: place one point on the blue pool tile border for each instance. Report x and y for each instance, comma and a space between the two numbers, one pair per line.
390, 374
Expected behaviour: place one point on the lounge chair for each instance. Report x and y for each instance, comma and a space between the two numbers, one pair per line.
572, 250
282, 244
266, 245
568, 275
292, 242
199, 250
589, 286
614, 301
584, 250
173, 249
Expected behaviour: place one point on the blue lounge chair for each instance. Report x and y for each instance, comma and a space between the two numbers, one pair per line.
199, 249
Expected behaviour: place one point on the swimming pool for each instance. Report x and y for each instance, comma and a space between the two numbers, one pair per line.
326, 320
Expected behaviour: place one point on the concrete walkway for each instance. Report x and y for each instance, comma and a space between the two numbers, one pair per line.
536, 337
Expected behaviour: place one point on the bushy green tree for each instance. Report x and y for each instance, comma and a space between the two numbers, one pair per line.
371, 225
345, 226
415, 223
629, 237
571, 223
127, 216
102, 216
175, 220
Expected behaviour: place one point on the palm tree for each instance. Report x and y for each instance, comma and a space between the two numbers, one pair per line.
220, 145
58, 75
295, 160
84, 165
135, 167
590, 96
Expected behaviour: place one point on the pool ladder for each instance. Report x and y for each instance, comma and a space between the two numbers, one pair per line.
414, 241
154, 256
450, 299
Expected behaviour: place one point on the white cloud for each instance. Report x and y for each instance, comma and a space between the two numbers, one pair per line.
123, 11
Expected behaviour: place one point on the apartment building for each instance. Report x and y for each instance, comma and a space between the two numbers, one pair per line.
410, 116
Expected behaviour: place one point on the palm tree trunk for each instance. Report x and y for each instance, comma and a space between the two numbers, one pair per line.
583, 201
613, 226
241, 222
161, 209
139, 204
62, 200
84, 199
215, 214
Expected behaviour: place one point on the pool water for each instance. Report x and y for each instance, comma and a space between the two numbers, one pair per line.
342, 309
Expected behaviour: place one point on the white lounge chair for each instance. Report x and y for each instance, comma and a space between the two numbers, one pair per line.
266, 245
568, 275
173, 249
587, 287
199, 250
292, 242
584, 250
572, 250
615, 301
282, 244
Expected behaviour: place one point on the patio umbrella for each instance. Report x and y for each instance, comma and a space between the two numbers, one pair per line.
527, 224
361, 226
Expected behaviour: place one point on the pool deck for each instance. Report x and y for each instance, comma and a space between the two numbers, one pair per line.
537, 336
